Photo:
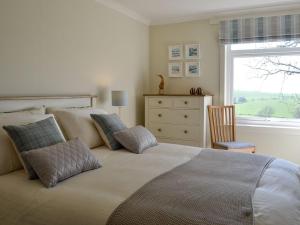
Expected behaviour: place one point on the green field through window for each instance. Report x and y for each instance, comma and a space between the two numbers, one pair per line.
258, 104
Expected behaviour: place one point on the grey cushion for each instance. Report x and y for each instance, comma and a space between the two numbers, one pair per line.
107, 125
136, 139
61, 161
34, 135
235, 145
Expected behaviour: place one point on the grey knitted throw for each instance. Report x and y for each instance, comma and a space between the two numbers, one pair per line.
214, 188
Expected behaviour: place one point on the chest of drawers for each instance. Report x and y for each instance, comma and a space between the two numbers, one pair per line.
178, 119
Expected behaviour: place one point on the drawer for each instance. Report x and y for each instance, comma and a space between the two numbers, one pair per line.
175, 117
160, 131
181, 142
176, 132
160, 102
160, 115
186, 117
186, 132
187, 102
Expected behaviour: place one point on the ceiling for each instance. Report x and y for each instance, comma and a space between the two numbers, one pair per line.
169, 11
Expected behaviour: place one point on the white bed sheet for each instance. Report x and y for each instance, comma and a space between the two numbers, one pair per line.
90, 198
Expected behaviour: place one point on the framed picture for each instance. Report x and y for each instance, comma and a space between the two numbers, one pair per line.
192, 69
192, 51
176, 52
175, 70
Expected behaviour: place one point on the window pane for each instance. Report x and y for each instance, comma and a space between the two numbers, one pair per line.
266, 45
267, 87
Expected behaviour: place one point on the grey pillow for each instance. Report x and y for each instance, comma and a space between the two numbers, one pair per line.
107, 125
33, 136
61, 161
136, 139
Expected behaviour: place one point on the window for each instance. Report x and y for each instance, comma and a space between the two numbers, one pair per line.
263, 81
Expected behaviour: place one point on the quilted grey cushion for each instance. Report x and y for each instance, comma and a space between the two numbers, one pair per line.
107, 125
61, 161
33, 136
136, 139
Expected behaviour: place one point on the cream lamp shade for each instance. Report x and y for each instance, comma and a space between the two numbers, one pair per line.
119, 98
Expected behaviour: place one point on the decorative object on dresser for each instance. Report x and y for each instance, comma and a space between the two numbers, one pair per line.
223, 130
199, 91
192, 91
119, 99
180, 119
161, 87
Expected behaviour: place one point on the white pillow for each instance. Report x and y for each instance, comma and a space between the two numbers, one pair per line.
9, 160
77, 123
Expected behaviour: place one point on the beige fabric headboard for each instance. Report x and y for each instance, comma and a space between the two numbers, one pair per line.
10, 104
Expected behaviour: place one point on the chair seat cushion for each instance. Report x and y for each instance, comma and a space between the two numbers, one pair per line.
235, 145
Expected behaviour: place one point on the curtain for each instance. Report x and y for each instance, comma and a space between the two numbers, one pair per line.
260, 29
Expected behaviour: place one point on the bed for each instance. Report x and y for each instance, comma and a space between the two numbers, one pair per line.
91, 197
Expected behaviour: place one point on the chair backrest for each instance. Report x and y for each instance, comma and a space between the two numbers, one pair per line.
222, 123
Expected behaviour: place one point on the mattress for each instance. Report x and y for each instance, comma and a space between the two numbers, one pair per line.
91, 197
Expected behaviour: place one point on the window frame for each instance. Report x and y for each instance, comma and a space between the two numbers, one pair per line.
229, 83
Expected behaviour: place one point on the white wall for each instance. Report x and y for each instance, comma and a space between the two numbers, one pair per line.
278, 142
183, 33
55, 47
271, 141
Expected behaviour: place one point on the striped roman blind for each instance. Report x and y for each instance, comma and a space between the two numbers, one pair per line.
260, 29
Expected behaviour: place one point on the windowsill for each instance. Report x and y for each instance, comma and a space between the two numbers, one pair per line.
268, 129
269, 122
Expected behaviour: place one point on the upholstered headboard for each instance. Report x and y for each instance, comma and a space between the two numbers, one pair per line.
9, 104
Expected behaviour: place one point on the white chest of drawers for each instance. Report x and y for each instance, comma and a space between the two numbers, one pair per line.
178, 119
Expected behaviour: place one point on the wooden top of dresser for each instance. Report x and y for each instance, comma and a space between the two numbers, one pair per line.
176, 95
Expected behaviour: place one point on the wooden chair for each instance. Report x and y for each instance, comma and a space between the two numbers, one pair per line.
223, 130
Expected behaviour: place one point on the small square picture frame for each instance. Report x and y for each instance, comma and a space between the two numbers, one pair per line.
192, 69
192, 51
175, 69
175, 52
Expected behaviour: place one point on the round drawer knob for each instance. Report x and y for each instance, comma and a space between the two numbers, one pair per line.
159, 102
185, 131
186, 102
159, 130
186, 116
159, 115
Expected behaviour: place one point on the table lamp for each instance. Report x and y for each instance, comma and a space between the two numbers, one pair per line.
119, 99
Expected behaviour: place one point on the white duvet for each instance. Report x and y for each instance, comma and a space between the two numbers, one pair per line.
90, 198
